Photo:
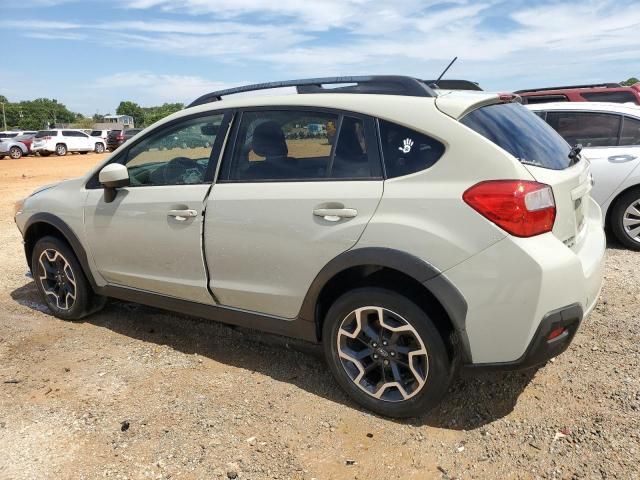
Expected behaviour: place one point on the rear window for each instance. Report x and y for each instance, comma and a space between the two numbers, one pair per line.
96, 133
46, 133
544, 98
521, 133
114, 133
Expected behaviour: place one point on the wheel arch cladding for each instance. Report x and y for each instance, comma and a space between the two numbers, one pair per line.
393, 269
43, 224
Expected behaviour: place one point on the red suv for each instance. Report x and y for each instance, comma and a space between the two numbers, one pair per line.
603, 92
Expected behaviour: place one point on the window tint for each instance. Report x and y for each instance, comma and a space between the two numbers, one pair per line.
68, 133
544, 99
176, 155
617, 97
406, 151
521, 133
630, 131
298, 145
46, 133
587, 128
541, 114
96, 133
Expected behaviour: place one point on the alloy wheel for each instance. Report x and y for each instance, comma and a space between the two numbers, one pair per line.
57, 279
382, 354
15, 153
631, 221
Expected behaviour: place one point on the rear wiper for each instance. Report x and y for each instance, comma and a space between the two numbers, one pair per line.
574, 153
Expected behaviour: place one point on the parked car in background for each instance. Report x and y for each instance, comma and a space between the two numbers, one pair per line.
435, 230
118, 137
102, 134
16, 133
610, 136
61, 141
603, 92
17, 146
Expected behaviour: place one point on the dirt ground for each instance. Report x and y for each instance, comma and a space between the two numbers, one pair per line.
138, 393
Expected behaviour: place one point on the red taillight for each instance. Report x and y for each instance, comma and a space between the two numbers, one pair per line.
520, 207
120, 137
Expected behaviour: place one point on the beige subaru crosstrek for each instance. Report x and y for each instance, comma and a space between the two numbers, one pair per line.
407, 228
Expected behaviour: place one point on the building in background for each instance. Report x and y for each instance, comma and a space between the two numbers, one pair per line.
115, 122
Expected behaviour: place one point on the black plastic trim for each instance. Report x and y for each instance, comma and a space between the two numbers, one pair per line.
373, 84
450, 297
69, 236
280, 326
540, 350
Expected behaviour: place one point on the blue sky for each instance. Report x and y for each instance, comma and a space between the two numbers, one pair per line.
90, 54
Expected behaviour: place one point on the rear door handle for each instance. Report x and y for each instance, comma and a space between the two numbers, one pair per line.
622, 158
335, 214
182, 215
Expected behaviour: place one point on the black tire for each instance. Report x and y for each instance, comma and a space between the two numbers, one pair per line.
61, 149
622, 203
85, 301
439, 369
45, 154
15, 153
99, 148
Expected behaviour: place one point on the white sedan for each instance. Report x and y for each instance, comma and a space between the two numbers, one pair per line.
610, 136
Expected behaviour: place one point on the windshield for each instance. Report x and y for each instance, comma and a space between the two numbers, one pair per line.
521, 133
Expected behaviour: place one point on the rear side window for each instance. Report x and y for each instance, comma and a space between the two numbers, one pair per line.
590, 129
406, 151
96, 133
46, 133
630, 131
616, 97
299, 145
521, 133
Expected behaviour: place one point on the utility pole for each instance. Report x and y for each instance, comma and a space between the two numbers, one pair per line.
4, 118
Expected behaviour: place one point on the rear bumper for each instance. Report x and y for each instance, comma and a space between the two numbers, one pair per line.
514, 287
541, 348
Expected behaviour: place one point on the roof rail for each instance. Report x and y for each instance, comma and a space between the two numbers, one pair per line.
375, 84
566, 87
446, 84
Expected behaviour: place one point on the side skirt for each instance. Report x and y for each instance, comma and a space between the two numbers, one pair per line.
296, 328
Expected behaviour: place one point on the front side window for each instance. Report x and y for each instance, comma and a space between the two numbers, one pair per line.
406, 151
177, 155
281, 145
589, 129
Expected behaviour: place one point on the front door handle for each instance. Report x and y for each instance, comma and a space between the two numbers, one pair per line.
622, 158
335, 214
182, 215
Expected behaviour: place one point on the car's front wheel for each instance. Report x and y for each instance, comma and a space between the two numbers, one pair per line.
386, 352
15, 153
61, 281
625, 219
99, 148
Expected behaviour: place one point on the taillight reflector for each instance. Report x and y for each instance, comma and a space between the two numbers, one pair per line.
520, 207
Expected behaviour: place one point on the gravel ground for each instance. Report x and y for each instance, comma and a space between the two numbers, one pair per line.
138, 393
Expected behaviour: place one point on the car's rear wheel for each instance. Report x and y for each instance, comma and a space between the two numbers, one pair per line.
386, 352
99, 148
61, 281
61, 149
625, 219
15, 153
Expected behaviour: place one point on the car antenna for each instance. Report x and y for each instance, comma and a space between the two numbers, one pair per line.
435, 84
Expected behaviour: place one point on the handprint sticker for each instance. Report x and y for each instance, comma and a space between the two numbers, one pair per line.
406, 145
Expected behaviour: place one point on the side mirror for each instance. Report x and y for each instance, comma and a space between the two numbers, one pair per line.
111, 177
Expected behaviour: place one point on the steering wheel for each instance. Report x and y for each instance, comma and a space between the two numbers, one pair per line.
175, 169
